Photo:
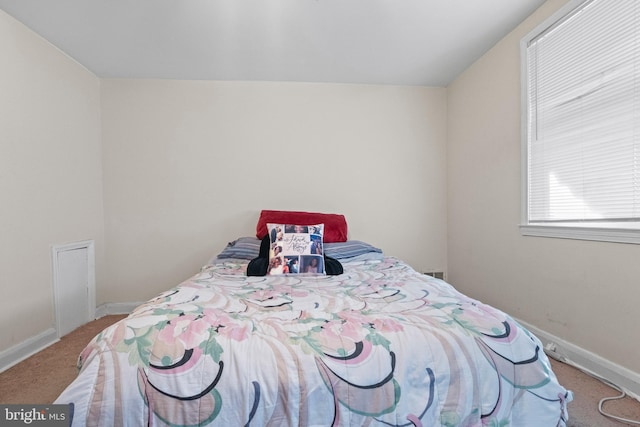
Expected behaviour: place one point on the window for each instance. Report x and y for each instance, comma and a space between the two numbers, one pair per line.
581, 123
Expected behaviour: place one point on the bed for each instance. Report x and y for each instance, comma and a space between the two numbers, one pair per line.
378, 345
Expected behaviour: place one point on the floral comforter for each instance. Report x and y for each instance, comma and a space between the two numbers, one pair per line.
380, 345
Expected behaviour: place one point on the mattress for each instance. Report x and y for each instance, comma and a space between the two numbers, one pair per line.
379, 345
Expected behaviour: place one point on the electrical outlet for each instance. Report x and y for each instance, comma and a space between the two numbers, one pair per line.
552, 350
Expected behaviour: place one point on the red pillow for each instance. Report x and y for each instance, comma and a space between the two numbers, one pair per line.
335, 226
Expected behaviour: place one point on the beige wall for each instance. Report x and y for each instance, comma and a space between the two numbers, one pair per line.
188, 165
583, 292
50, 174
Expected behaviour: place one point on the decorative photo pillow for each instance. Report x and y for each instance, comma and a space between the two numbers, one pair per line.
295, 249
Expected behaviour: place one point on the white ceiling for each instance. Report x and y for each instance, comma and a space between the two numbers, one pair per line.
403, 42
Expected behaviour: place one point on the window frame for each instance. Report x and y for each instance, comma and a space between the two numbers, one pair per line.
603, 231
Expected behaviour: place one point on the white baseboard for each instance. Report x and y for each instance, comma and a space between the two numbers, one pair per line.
115, 308
19, 352
591, 363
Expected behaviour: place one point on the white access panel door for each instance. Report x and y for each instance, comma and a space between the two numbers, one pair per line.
73, 286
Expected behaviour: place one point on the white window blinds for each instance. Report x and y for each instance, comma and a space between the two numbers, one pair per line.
583, 130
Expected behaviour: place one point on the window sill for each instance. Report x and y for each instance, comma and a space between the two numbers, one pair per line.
601, 232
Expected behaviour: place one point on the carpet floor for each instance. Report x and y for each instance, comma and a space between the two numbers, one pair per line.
43, 376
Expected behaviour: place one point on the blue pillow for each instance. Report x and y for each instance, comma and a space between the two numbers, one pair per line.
249, 248
350, 249
242, 248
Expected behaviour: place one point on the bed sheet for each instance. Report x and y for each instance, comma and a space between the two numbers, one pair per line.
380, 345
